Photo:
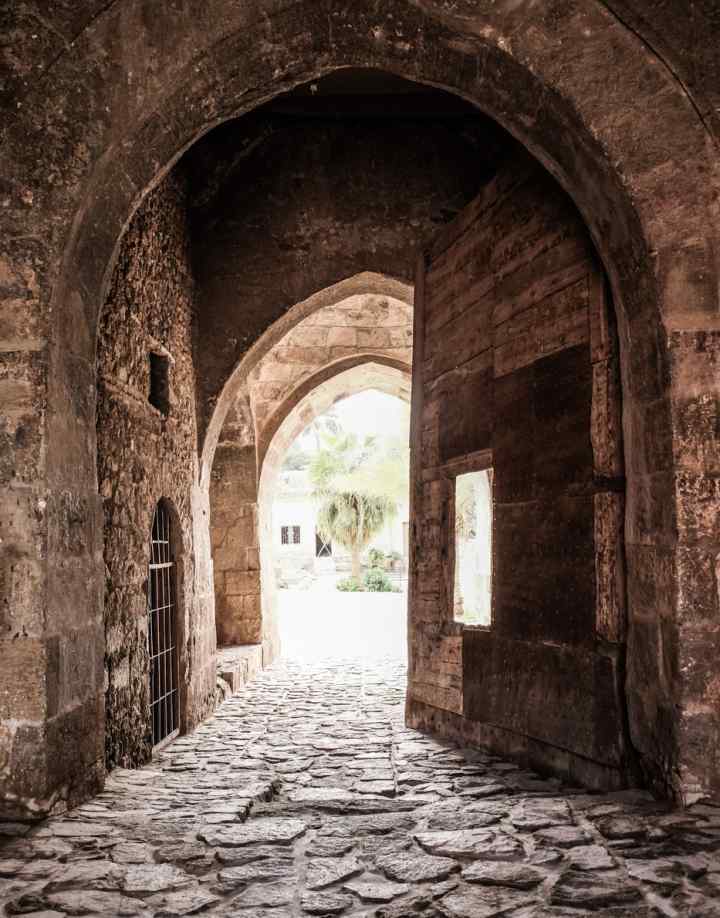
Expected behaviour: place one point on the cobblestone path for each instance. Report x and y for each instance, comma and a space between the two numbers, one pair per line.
305, 795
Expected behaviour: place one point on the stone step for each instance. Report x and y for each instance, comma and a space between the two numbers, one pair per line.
238, 664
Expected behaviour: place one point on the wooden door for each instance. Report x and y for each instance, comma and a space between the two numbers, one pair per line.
515, 370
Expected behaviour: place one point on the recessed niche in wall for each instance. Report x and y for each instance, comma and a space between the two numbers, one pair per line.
159, 396
472, 602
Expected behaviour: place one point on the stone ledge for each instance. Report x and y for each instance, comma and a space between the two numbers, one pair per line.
237, 665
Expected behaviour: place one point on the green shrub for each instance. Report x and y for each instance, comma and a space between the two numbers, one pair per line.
377, 581
348, 585
376, 557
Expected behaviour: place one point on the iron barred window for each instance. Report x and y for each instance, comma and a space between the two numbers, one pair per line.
162, 630
290, 535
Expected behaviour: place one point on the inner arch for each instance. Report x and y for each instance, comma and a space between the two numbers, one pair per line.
367, 373
364, 284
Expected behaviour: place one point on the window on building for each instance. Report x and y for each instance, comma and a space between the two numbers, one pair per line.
472, 601
159, 395
290, 535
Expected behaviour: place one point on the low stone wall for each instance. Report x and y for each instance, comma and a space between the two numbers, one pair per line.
236, 666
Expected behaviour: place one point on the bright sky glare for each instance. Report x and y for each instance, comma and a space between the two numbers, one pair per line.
369, 413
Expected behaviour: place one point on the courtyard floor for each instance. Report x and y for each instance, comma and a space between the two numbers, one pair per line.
306, 795
322, 623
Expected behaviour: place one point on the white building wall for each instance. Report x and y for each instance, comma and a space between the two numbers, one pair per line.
295, 507
294, 512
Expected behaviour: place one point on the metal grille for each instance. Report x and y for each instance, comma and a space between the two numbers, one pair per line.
289, 535
162, 631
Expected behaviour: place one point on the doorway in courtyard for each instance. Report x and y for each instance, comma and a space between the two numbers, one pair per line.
339, 522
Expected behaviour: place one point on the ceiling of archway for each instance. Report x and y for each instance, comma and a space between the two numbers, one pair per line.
316, 401
317, 186
357, 327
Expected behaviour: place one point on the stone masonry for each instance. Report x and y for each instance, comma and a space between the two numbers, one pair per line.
145, 455
513, 315
369, 324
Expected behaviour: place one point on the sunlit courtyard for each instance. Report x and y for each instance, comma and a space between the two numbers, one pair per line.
338, 547
322, 623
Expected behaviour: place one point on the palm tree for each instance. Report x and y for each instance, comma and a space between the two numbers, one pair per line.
353, 519
357, 486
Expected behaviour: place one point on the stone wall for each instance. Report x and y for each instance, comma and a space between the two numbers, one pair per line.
363, 324
143, 456
234, 529
514, 321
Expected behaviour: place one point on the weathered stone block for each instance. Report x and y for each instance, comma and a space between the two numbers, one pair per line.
76, 755
21, 586
606, 420
651, 581
23, 770
508, 673
252, 559
70, 597
698, 573
239, 582
346, 336
309, 336
610, 581
650, 514
562, 397
696, 399
698, 509
23, 690
699, 649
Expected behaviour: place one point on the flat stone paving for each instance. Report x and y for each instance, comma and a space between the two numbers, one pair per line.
305, 795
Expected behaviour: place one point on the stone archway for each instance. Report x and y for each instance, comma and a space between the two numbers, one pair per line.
308, 402
360, 322
342, 295
589, 116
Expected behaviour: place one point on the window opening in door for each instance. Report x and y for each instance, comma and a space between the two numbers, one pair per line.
472, 601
